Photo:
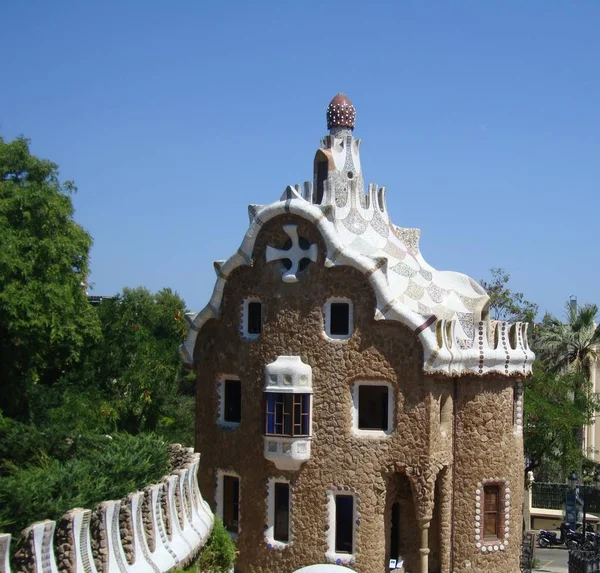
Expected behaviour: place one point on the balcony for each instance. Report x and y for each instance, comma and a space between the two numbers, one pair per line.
287, 452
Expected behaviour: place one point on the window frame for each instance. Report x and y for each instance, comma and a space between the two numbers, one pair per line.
246, 317
220, 499
327, 318
270, 540
301, 399
491, 490
372, 433
332, 555
221, 397
486, 542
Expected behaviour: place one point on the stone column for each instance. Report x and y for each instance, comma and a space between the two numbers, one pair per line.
445, 477
424, 549
423, 488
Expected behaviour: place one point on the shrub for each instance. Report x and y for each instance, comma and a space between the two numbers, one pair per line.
100, 468
218, 555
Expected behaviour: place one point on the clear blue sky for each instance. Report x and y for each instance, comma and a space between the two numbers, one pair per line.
481, 118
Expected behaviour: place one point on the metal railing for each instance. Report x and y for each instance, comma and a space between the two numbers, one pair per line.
548, 495
527, 548
584, 561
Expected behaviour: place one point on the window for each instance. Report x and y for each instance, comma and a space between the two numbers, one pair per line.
281, 529
252, 318
373, 407
322, 171
287, 414
491, 512
344, 523
277, 529
339, 318
229, 392
232, 410
231, 503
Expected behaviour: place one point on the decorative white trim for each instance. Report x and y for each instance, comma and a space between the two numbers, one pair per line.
331, 555
288, 375
440, 354
220, 386
294, 254
356, 405
244, 319
492, 545
327, 318
270, 540
219, 498
518, 407
287, 452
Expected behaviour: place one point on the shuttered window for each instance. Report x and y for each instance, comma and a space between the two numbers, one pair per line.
491, 512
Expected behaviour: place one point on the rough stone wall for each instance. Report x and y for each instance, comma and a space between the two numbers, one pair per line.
416, 456
487, 448
378, 350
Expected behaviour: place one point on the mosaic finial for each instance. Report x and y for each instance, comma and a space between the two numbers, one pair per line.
340, 112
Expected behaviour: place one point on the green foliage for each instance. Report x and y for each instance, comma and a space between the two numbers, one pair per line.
84, 389
219, 553
504, 303
45, 319
570, 346
555, 408
135, 365
94, 468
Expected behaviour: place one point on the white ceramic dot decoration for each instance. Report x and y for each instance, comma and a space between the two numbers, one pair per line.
504, 501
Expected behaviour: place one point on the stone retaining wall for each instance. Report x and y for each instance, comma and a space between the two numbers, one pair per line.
150, 531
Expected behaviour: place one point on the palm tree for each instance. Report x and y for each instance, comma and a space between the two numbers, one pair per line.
572, 346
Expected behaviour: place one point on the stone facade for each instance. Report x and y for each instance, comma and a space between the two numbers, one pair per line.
419, 483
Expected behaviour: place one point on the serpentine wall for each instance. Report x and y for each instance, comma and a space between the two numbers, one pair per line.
150, 531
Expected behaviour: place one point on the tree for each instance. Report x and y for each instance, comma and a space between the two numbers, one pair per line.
505, 304
45, 318
555, 409
570, 346
136, 366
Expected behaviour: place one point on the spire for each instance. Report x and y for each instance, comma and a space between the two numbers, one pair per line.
340, 112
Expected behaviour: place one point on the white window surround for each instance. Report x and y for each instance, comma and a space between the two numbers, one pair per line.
220, 383
355, 405
327, 318
492, 545
331, 555
219, 498
288, 375
244, 324
270, 540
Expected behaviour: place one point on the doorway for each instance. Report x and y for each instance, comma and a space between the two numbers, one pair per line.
401, 527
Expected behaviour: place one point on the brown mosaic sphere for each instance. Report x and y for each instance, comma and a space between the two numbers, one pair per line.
340, 112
